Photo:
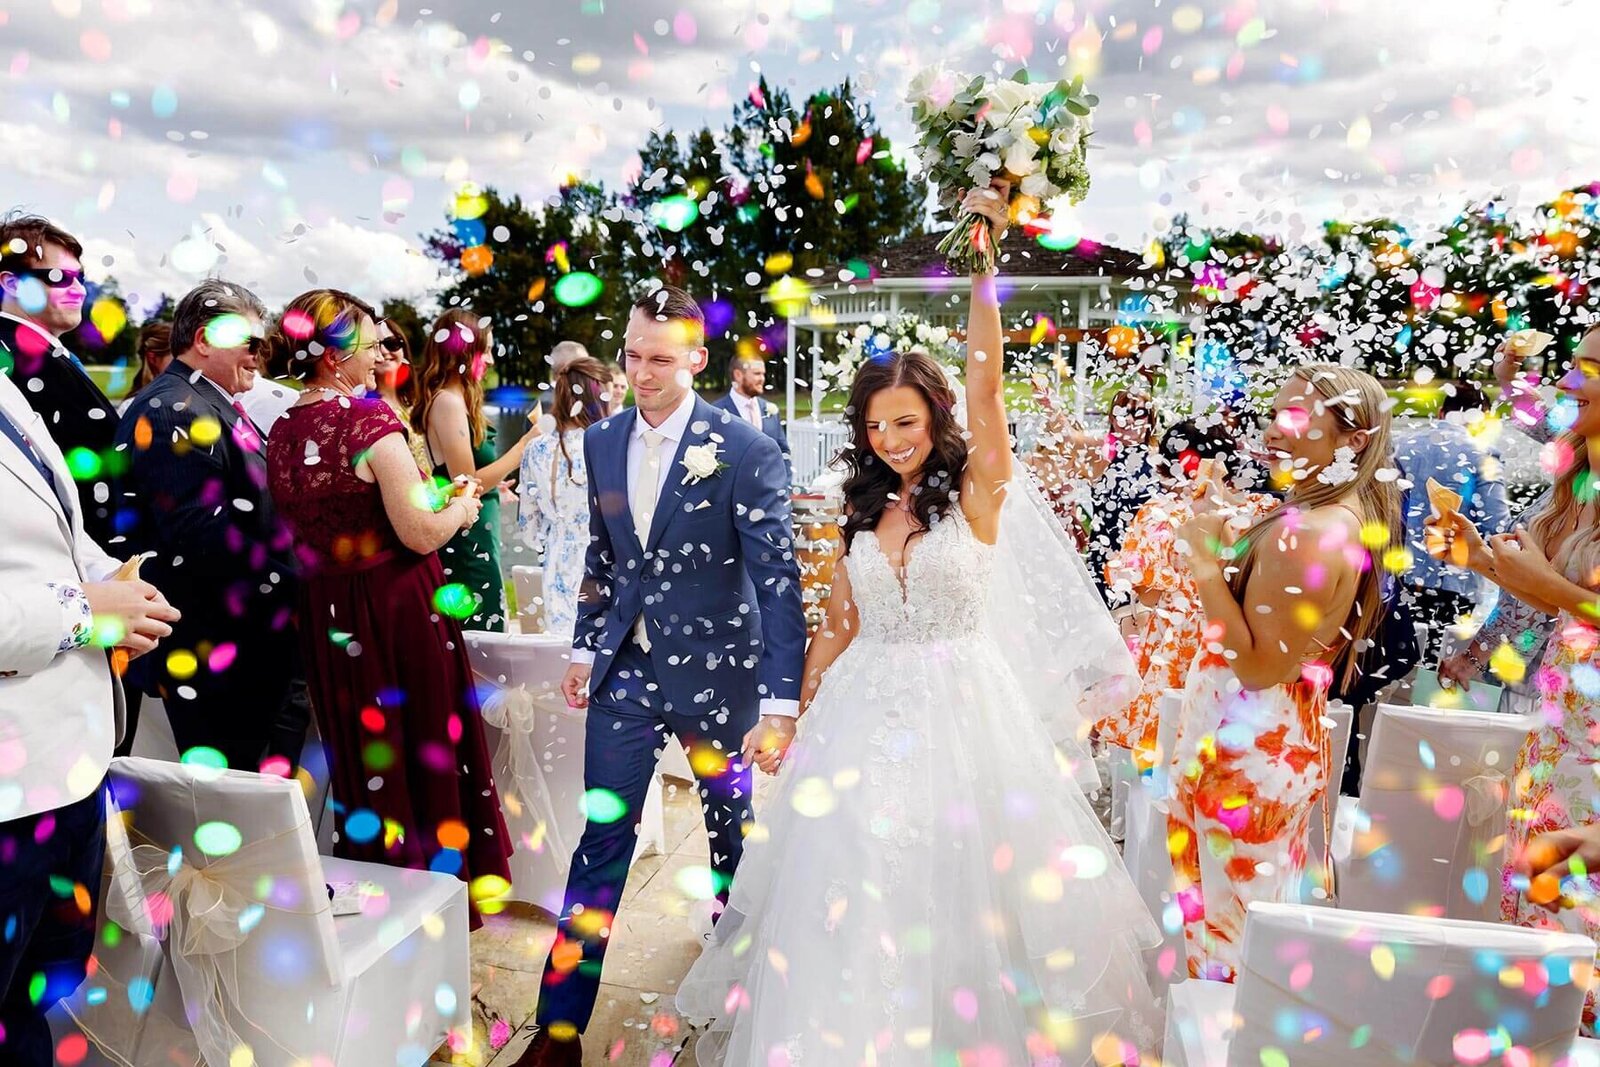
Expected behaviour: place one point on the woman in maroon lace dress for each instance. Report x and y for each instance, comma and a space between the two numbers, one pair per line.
388, 670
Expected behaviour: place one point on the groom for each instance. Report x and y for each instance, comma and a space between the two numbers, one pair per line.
689, 622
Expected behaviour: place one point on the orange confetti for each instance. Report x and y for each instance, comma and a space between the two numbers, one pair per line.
477, 259
1544, 889
453, 834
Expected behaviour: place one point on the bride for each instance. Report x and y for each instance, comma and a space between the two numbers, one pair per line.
928, 883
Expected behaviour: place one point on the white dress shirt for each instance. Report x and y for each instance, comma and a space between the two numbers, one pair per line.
749, 407
267, 401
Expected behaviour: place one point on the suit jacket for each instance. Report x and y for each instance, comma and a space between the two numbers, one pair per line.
74, 410
771, 425
60, 711
197, 474
716, 579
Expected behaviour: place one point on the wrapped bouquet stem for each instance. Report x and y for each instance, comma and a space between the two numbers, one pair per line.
971, 131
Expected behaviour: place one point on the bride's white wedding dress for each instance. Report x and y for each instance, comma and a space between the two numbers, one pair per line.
926, 882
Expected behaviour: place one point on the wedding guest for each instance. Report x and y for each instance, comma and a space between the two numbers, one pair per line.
563, 353
1167, 620
1066, 460
619, 388
1128, 480
60, 710
396, 385
1551, 562
748, 378
448, 415
197, 472
554, 488
155, 352
1286, 600
388, 669
1444, 449
41, 299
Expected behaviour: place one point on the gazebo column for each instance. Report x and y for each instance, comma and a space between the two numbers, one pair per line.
816, 375
790, 363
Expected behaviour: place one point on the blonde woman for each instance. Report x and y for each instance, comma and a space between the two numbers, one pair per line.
1284, 602
459, 442
1552, 563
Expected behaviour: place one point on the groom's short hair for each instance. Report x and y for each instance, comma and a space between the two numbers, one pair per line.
668, 303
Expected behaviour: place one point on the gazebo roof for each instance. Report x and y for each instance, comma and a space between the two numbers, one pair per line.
919, 257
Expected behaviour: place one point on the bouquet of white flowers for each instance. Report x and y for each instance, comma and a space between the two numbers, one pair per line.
881, 337
973, 130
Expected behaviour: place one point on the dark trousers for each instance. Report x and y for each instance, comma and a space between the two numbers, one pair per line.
625, 732
50, 866
248, 725
1438, 610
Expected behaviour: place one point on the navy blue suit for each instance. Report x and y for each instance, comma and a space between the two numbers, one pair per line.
717, 585
771, 425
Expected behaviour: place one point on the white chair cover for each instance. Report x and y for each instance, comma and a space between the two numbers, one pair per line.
228, 875
1429, 834
1341, 720
538, 760
1327, 988
529, 583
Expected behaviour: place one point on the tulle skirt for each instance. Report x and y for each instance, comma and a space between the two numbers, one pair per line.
925, 885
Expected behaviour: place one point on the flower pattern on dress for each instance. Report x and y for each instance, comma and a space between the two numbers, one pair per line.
1168, 641
1554, 778
1250, 770
553, 517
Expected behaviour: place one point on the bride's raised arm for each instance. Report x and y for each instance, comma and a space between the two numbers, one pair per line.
989, 445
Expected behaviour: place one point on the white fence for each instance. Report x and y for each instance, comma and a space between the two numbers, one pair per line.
812, 444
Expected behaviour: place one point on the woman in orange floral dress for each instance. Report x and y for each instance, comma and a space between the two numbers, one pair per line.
1283, 601
1167, 617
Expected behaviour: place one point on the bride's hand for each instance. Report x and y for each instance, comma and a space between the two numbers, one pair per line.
993, 203
768, 743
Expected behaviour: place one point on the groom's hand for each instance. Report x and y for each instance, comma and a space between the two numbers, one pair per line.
768, 742
575, 685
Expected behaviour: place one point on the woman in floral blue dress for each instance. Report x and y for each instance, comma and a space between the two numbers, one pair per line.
554, 486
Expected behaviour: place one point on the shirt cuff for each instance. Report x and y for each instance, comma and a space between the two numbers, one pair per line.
77, 621
583, 656
788, 709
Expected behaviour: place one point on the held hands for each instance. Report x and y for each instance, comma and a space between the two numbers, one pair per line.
136, 609
993, 203
768, 742
575, 685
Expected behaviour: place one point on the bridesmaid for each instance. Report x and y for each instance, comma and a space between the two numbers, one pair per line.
1284, 602
554, 516
448, 415
388, 673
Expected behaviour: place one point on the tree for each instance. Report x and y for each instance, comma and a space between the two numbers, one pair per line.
405, 315
549, 273
106, 335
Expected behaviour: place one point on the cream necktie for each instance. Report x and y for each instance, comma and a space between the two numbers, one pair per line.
646, 491
752, 410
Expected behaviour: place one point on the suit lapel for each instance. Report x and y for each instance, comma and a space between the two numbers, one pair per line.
24, 469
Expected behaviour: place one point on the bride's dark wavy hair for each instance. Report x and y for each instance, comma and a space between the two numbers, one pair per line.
869, 482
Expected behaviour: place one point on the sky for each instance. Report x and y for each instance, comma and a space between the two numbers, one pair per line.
308, 142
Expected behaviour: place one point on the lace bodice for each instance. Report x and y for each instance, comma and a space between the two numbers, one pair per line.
945, 592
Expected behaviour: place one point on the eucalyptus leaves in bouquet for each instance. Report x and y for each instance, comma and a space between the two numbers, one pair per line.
1034, 135
885, 335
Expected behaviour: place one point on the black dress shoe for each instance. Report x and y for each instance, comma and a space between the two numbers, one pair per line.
546, 1051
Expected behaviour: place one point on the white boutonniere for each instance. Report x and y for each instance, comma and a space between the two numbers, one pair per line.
701, 462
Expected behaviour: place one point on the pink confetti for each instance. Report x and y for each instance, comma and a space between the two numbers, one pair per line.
1152, 41
684, 28
499, 1033
96, 45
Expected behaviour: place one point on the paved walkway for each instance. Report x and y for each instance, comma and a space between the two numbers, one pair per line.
634, 1023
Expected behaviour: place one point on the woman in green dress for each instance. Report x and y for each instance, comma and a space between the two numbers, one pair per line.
448, 415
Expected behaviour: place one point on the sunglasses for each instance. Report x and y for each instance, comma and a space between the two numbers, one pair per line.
392, 343
54, 277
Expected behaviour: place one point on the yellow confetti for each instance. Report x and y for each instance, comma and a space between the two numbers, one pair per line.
1383, 961
1397, 560
1507, 666
205, 431
1359, 135
779, 962
1374, 534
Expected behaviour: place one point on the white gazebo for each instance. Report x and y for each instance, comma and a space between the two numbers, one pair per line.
1082, 289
